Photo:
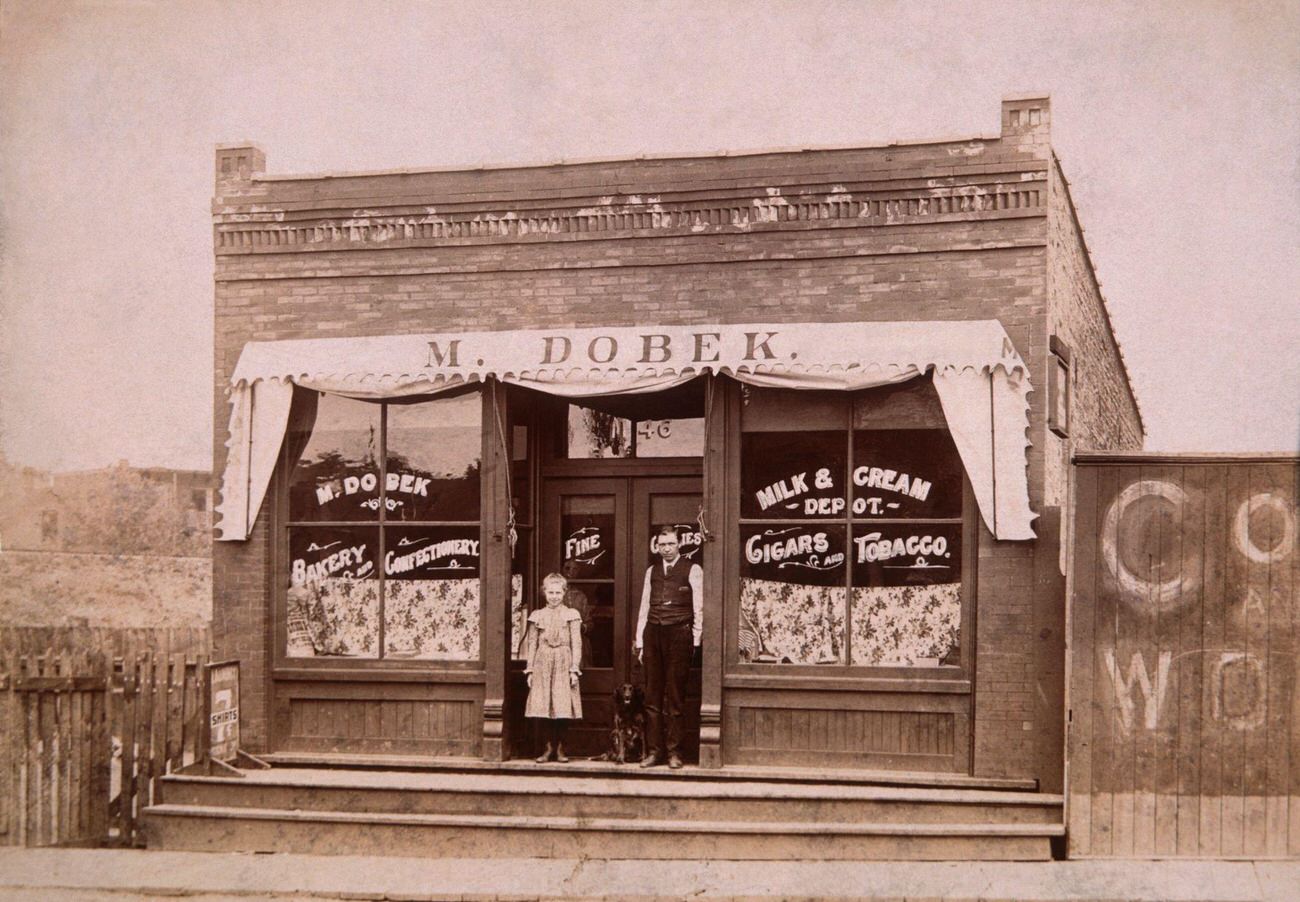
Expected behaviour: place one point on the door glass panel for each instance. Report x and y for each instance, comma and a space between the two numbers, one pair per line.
690, 543
587, 552
587, 536
595, 602
679, 512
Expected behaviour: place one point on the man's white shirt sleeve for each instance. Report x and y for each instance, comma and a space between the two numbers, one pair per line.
645, 610
697, 602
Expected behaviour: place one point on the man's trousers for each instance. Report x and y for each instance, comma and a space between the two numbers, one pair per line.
667, 663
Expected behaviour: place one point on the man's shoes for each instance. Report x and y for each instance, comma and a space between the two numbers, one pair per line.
651, 759
674, 761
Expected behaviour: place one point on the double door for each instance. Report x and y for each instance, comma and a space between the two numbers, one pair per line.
600, 533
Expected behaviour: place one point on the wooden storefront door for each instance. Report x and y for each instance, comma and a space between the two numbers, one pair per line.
599, 533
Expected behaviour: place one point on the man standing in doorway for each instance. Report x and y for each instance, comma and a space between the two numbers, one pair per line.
668, 630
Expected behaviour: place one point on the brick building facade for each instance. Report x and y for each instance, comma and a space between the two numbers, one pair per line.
979, 229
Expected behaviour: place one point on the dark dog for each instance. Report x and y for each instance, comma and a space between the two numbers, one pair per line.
628, 736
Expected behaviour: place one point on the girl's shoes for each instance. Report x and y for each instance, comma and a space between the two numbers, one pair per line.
560, 756
546, 755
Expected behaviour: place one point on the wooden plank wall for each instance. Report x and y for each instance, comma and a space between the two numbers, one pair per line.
834, 728
90, 719
1183, 723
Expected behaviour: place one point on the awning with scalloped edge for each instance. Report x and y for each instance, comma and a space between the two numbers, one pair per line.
981, 380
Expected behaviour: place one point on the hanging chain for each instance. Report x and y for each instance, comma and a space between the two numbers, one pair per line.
511, 532
709, 386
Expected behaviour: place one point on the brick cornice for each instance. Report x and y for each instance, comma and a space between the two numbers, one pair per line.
264, 228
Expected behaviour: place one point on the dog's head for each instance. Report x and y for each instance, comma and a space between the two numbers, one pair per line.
629, 698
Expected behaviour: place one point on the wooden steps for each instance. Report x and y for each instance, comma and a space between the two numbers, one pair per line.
625, 771
551, 813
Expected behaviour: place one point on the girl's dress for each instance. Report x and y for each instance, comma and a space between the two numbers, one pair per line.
553, 654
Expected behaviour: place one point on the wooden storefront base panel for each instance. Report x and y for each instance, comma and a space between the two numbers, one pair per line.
836, 729
1184, 739
382, 718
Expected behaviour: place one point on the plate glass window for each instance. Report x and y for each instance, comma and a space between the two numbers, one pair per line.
383, 533
851, 531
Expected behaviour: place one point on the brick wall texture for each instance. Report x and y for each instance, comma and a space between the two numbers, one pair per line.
945, 231
1104, 414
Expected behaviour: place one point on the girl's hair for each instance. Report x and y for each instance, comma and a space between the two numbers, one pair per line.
550, 578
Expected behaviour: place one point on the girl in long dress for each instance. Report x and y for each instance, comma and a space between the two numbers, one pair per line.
553, 656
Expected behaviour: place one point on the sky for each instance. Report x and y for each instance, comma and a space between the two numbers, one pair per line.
1176, 125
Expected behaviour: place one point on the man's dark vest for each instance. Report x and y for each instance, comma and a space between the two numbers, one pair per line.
670, 593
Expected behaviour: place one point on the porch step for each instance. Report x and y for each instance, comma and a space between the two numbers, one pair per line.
551, 815
542, 795
580, 767
209, 828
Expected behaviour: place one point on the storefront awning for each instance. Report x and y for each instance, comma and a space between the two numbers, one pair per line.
981, 380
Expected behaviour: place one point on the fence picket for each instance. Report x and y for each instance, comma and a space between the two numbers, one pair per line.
7, 783
101, 756
62, 702
39, 751
189, 731
24, 753
152, 725
143, 718
176, 708
126, 730
76, 821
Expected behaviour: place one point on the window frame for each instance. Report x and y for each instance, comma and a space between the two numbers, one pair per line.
521, 413
847, 675
1059, 387
348, 668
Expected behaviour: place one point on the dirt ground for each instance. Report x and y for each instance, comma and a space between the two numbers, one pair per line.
53, 588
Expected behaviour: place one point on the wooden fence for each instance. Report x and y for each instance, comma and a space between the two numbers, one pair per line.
90, 720
1184, 727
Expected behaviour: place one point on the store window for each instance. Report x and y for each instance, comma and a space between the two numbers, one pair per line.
851, 530
382, 532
